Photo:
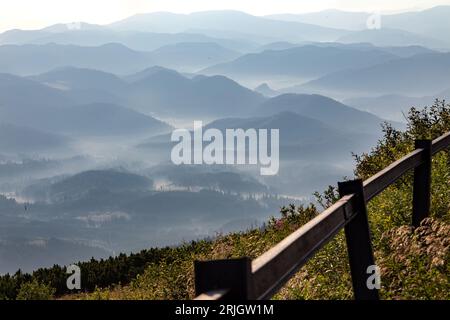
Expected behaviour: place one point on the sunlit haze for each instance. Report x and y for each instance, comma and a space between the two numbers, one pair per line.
25, 14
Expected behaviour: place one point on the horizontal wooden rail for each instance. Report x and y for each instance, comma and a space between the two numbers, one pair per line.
383, 179
264, 276
272, 269
440, 143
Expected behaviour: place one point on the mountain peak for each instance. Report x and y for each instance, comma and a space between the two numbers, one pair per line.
156, 72
265, 90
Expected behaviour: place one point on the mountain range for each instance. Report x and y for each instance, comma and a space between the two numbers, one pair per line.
158, 91
16, 139
242, 32
432, 23
77, 186
139, 41
230, 22
394, 107
308, 61
422, 74
391, 37
55, 110
29, 59
165, 92
302, 138
324, 109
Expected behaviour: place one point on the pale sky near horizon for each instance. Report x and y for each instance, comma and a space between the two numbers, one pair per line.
32, 14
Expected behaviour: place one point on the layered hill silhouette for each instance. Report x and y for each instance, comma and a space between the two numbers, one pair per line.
140, 41
422, 74
201, 177
29, 59
192, 56
165, 92
96, 119
392, 106
331, 18
17, 139
37, 95
391, 37
33, 59
152, 91
157, 91
147, 32
266, 90
301, 137
78, 185
304, 61
324, 109
234, 22
431, 23
55, 110
81, 79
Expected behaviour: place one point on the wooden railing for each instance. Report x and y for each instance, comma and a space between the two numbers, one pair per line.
263, 277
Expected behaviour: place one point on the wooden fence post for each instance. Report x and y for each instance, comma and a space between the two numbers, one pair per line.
422, 184
359, 243
232, 274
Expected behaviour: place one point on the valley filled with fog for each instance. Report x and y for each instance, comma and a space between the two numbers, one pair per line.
87, 112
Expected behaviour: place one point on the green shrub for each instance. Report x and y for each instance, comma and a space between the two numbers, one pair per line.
35, 291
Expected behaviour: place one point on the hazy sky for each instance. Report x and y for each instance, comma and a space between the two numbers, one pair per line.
31, 14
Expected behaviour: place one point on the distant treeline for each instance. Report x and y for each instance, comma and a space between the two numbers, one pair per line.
103, 273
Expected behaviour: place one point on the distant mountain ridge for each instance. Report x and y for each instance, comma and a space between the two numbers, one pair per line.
265, 90
162, 92
324, 109
155, 90
78, 185
243, 32
392, 37
170, 92
192, 56
422, 74
394, 107
18, 139
331, 18
80, 79
231, 21
33, 59
139, 41
29, 59
302, 138
303, 61
432, 23
55, 110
